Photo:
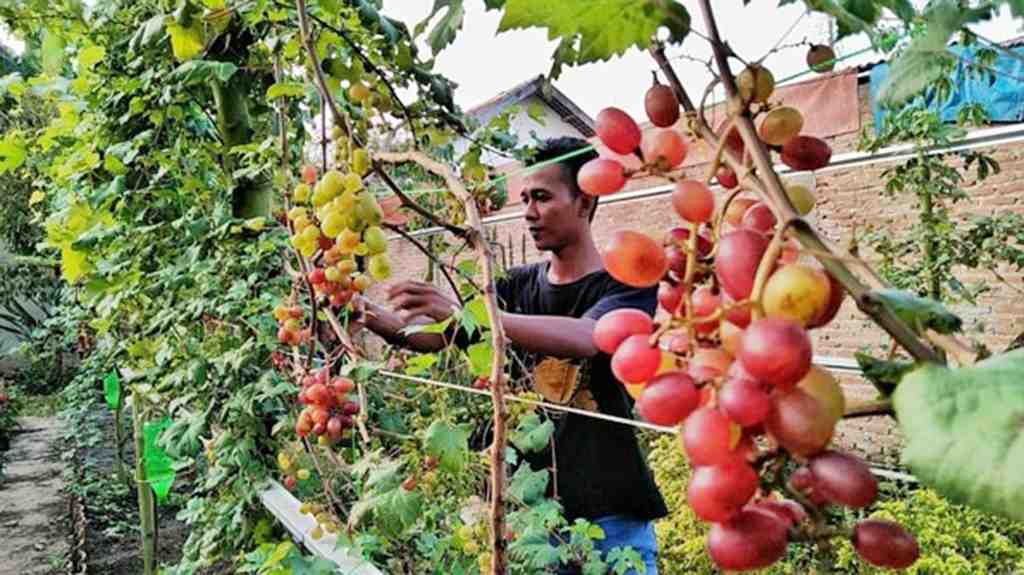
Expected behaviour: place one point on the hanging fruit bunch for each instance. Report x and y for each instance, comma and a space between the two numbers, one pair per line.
730, 359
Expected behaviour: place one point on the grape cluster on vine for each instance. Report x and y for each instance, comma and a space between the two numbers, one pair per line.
728, 358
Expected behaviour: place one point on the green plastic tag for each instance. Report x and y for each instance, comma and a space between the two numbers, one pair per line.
160, 472
112, 390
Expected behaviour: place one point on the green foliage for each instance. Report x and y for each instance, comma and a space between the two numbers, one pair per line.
954, 539
582, 26
927, 257
921, 313
964, 428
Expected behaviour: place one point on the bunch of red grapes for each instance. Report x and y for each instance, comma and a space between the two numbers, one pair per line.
290, 330
731, 360
328, 412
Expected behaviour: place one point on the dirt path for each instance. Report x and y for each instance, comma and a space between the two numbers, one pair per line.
33, 511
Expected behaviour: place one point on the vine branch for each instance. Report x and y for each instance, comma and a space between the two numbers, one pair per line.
768, 183
499, 560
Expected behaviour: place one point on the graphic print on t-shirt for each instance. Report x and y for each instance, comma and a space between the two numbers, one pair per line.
565, 382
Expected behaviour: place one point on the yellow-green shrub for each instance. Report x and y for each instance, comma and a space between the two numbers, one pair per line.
954, 540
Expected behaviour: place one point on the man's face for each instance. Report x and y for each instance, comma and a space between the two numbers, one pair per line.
555, 217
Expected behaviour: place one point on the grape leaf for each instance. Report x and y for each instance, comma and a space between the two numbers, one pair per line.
584, 30
532, 434
444, 32
884, 375
965, 431
918, 312
448, 443
90, 56
903, 9
186, 43
927, 57
398, 509
286, 89
52, 52
527, 485
533, 548
112, 390
480, 356
202, 71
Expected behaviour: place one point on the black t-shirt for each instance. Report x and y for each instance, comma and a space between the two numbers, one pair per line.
600, 468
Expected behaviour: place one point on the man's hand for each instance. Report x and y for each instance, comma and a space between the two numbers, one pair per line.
411, 299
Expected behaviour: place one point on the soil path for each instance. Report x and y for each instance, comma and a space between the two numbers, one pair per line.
33, 510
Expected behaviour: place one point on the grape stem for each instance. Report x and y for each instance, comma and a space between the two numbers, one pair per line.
478, 239
868, 408
774, 191
764, 269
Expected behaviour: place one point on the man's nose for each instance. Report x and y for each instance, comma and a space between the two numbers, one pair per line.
531, 211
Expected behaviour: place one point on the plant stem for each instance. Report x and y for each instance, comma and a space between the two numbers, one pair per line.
146, 514
477, 237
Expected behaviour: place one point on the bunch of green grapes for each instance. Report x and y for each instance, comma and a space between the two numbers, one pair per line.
336, 220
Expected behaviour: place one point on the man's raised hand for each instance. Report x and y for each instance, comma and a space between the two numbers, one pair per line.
411, 299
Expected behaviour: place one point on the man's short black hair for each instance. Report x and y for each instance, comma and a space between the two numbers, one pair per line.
552, 148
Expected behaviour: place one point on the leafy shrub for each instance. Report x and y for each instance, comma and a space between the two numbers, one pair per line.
954, 539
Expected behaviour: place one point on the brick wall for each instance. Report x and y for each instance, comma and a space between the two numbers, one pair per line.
848, 199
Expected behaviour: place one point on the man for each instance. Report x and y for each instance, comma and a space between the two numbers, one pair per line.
549, 310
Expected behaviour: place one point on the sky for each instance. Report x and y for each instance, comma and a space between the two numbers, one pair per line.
485, 63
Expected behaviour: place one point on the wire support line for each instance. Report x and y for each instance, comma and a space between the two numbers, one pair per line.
542, 404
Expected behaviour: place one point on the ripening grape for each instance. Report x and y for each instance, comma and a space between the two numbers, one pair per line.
822, 385
353, 184
738, 314
739, 254
781, 125
705, 303
332, 183
737, 207
661, 105
333, 274
333, 223
730, 334
668, 398
885, 544
753, 539
806, 153
601, 176
670, 296
358, 92
727, 178
843, 479
360, 162
360, 283
836, 293
368, 210
615, 326
776, 351
755, 84
681, 237
799, 422
797, 292
745, 401
733, 140
664, 148
635, 360
347, 241
759, 217
718, 492
709, 363
801, 198
693, 201
788, 511
375, 240
709, 436
821, 58
379, 267
309, 174
301, 193
635, 259
617, 130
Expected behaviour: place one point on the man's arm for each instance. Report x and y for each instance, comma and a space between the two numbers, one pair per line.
419, 303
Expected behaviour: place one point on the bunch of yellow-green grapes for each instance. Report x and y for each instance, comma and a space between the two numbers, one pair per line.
337, 217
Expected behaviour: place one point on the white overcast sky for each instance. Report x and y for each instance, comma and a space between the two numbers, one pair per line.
484, 63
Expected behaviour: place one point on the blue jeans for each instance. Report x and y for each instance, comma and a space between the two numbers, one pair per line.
623, 531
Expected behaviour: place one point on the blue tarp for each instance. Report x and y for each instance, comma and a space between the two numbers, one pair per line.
1003, 99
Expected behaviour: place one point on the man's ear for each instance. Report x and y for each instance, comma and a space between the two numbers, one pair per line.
586, 203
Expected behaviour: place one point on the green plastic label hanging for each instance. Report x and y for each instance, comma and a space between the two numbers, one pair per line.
160, 472
112, 390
